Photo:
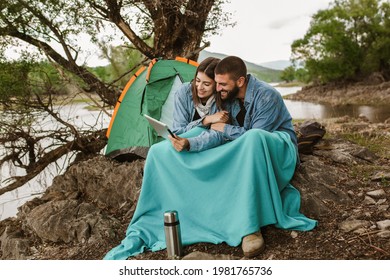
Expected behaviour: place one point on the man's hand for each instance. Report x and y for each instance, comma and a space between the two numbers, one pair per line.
222, 117
180, 144
218, 126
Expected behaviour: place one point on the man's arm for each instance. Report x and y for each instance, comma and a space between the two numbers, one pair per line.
264, 115
206, 140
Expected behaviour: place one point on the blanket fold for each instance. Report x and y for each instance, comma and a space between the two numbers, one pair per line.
221, 194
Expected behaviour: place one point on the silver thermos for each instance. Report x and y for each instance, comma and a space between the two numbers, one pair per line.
172, 234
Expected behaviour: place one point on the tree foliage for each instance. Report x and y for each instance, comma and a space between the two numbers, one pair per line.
12, 76
288, 74
163, 29
350, 40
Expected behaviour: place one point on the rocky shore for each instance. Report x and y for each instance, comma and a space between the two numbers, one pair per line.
345, 185
371, 92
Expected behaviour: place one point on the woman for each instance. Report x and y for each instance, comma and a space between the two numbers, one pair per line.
196, 104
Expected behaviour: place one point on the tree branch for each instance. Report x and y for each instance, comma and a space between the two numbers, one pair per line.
108, 96
90, 143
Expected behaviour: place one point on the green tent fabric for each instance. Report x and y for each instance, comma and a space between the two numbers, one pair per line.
150, 91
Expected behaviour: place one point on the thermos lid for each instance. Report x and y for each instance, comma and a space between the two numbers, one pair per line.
171, 216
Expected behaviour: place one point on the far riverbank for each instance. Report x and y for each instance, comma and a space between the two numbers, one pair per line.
362, 93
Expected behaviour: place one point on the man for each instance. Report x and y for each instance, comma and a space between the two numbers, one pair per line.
261, 107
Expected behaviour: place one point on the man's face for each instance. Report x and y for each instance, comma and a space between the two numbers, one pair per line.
226, 87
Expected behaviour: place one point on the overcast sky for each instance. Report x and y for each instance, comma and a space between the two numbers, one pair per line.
265, 29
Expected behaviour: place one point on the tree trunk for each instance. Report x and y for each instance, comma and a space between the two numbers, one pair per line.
180, 33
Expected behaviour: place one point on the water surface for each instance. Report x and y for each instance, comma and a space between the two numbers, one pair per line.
308, 110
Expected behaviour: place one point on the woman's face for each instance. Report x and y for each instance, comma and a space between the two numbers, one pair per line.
204, 85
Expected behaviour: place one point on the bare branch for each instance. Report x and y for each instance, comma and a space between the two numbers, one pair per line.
39, 167
56, 117
88, 143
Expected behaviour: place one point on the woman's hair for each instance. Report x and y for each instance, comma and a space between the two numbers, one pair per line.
207, 66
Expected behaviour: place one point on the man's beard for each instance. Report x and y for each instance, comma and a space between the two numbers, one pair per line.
232, 94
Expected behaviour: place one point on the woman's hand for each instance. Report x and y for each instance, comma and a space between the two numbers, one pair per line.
219, 117
180, 144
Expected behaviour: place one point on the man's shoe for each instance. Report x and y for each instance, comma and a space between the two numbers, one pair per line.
253, 244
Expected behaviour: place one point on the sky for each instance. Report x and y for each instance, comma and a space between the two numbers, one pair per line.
265, 29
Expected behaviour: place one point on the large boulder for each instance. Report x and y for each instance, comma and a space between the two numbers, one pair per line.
87, 204
70, 221
323, 177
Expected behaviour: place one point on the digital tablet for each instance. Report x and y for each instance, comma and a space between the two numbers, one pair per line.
161, 128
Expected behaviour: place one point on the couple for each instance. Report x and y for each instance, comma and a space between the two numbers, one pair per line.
225, 193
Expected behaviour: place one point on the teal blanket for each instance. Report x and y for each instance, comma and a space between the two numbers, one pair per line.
221, 194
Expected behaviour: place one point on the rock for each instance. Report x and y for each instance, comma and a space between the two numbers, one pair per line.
294, 234
354, 127
79, 207
205, 256
385, 224
69, 221
108, 184
369, 200
363, 118
351, 225
347, 153
351, 193
384, 234
381, 175
360, 231
381, 201
365, 154
383, 208
342, 158
318, 183
353, 93
14, 244
377, 193
343, 119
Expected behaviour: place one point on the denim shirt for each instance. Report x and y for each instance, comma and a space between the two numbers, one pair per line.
265, 109
184, 110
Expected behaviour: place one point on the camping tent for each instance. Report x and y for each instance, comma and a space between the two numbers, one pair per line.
149, 91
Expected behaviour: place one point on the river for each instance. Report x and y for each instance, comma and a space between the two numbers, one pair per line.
82, 117
308, 110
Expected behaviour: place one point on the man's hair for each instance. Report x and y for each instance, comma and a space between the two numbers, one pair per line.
233, 66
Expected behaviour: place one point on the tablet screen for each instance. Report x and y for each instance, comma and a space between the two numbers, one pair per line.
161, 128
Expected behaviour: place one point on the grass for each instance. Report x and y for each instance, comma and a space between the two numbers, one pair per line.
380, 145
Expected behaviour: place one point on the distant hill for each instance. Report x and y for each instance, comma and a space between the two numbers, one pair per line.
263, 73
277, 64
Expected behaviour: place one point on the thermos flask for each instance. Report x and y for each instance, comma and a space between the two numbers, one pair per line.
172, 234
